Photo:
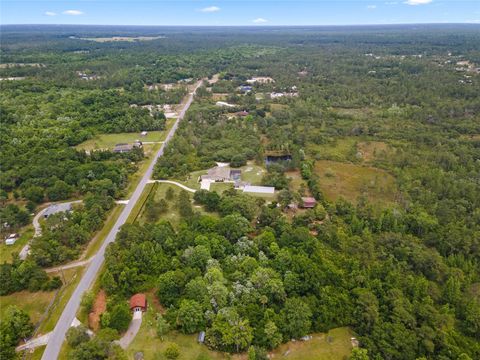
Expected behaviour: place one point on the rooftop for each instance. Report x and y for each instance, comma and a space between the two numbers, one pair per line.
138, 300
56, 208
259, 189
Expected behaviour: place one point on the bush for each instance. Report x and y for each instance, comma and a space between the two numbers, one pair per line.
77, 335
172, 351
52, 284
120, 317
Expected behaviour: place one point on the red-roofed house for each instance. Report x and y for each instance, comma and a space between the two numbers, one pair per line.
308, 202
138, 302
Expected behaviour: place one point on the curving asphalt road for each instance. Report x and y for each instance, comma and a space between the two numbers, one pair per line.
58, 335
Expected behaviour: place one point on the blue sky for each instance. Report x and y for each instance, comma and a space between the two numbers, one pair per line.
245, 12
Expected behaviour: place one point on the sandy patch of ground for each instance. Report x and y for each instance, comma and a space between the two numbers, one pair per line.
99, 307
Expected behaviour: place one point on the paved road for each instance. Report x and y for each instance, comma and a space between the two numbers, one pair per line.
174, 183
70, 265
132, 331
58, 336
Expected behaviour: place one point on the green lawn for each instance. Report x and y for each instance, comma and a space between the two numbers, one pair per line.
192, 179
72, 277
172, 215
6, 251
108, 141
250, 173
253, 173
343, 149
34, 304
334, 345
220, 187
349, 181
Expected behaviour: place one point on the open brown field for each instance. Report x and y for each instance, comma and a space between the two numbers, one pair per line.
349, 181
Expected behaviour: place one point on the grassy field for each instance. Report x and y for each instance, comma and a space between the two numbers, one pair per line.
6, 251
108, 141
192, 180
335, 345
33, 303
350, 181
340, 150
172, 215
250, 173
372, 150
72, 277
220, 187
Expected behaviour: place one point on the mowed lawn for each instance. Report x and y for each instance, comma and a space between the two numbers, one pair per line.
349, 181
250, 173
6, 251
108, 141
341, 149
335, 345
172, 214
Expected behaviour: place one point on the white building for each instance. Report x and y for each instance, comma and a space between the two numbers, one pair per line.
268, 190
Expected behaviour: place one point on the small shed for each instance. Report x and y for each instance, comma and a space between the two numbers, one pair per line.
246, 88
11, 239
138, 302
241, 113
201, 337
308, 202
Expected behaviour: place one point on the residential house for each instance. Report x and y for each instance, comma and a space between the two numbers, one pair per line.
308, 202
57, 208
138, 302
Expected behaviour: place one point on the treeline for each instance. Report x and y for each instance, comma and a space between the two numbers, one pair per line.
38, 171
25, 275
15, 325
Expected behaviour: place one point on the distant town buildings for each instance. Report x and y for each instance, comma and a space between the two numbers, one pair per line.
260, 80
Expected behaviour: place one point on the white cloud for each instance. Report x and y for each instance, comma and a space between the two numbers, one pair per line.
210, 9
50, 13
475, 21
73, 12
391, 3
371, 7
259, 21
417, 2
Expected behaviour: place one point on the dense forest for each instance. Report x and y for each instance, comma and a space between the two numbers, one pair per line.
401, 270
